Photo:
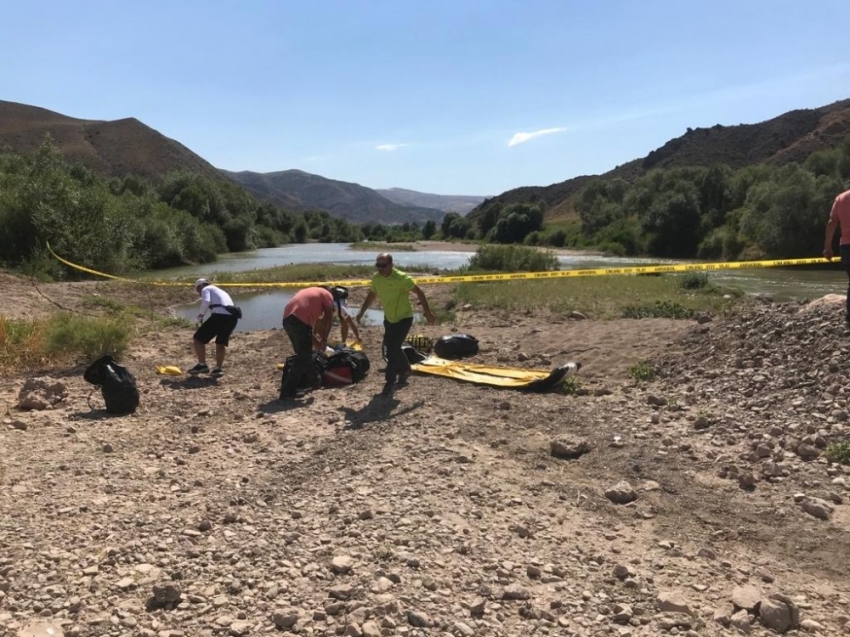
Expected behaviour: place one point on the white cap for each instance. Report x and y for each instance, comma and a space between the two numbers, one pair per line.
200, 283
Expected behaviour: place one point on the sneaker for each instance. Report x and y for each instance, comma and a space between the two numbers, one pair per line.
295, 396
217, 372
403, 378
200, 368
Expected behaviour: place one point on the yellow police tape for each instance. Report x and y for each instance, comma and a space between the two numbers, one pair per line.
514, 276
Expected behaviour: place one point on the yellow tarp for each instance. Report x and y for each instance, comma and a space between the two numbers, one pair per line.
516, 377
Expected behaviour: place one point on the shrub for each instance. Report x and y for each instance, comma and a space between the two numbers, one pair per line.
85, 339
839, 452
571, 386
513, 258
660, 309
643, 370
613, 249
694, 280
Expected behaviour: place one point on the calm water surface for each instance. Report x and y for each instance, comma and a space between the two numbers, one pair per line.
263, 310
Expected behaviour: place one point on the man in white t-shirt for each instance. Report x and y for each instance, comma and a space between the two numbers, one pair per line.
220, 325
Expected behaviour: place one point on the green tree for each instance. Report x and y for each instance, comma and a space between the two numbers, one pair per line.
785, 216
673, 222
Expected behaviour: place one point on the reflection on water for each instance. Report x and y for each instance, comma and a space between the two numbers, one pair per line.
264, 310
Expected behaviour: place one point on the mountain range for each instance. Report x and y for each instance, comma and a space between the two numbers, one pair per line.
298, 190
128, 146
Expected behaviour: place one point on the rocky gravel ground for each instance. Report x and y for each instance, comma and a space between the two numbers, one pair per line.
698, 502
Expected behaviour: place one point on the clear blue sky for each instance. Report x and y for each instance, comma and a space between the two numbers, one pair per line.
438, 95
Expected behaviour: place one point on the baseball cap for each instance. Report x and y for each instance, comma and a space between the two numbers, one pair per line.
200, 283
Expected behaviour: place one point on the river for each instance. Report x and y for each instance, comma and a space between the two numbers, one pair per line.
263, 310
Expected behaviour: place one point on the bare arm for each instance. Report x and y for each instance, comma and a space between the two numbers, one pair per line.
347, 323
429, 316
830, 233
366, 303
323, 328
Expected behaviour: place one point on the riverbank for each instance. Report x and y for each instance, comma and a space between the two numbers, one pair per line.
451, 246
698, 494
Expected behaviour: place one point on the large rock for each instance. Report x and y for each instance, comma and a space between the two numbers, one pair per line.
41, 393
821, 509
775, 615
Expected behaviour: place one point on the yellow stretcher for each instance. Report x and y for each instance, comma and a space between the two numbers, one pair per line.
496, 376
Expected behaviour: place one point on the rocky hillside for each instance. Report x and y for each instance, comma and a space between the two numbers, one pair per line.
299, 190
114, 148
783, 139
695, 503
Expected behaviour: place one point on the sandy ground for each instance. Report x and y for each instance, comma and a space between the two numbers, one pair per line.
441, 510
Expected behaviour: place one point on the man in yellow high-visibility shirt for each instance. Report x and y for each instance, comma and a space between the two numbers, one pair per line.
393, 288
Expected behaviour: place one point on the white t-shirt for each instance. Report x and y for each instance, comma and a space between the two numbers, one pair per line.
212, 295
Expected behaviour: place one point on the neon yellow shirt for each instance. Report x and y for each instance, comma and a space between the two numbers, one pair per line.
394, 292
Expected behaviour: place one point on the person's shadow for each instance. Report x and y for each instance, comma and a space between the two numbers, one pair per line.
190, 382
277, 406
379, 409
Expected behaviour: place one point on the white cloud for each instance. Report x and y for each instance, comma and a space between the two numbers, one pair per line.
389, 147
519, 138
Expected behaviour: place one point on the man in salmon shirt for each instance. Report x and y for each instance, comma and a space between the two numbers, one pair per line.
310, 308
840, 216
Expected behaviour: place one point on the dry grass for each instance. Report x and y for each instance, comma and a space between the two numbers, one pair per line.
64, 337
22, 343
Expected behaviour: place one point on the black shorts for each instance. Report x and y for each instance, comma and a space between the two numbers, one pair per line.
220, 326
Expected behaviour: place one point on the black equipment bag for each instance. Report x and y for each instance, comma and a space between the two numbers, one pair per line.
318, 361
455, 346
345, 367
117, 384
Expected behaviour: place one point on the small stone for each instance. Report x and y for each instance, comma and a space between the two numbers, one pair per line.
166, 593
417, 619
673, 602
284, 619
621, 493
342, 564
569, 448
747, 597
516, 592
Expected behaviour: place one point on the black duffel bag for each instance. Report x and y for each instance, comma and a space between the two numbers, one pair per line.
455, 346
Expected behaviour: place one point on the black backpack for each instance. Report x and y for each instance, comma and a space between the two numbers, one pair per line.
456, 346
116, 383
318, 361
